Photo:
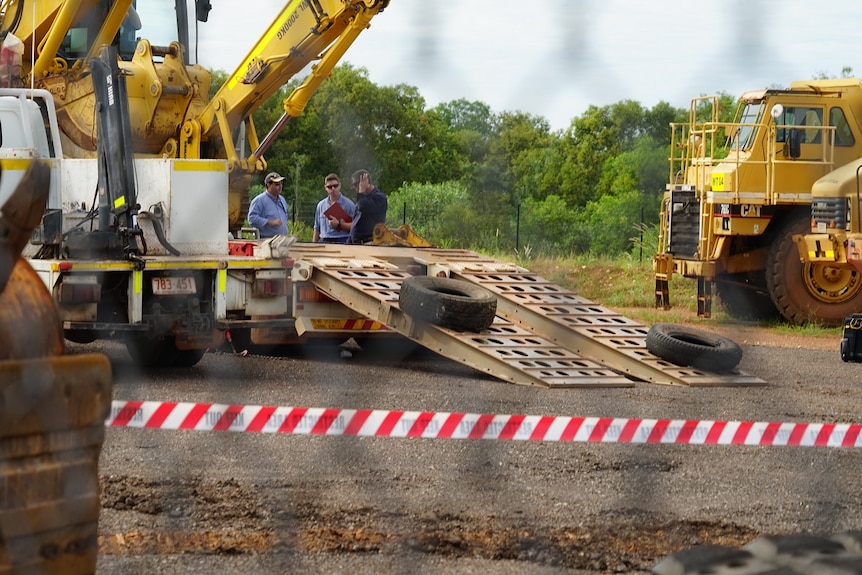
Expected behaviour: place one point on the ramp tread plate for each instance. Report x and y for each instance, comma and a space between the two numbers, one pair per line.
620, 337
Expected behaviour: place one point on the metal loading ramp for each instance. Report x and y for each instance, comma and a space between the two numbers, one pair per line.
574, 322
543, 335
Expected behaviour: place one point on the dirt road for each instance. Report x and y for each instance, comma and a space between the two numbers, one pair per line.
219, 502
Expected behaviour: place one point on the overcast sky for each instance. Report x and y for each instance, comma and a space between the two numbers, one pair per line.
554, 58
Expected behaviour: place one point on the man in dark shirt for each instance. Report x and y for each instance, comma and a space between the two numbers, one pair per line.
371, 206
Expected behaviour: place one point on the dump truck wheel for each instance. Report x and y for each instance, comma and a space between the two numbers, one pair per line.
744, 297
447, 302
809, 293
688, 346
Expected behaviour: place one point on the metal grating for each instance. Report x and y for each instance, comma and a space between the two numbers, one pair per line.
543, 334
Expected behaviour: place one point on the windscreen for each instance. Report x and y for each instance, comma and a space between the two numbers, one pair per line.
743, 139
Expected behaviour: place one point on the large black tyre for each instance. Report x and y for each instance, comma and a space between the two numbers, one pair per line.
809, 293
148, 352
688, 346
450, 303
745, 297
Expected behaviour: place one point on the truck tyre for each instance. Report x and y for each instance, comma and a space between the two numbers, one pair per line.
744, 297
688, 346
148, 352
809, 293
450, 303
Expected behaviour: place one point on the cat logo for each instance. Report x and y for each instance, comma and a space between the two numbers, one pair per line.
749, 211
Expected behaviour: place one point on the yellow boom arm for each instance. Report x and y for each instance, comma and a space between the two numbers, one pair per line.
304, 31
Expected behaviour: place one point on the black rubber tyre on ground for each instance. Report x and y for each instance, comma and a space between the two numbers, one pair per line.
688, 346
450, 303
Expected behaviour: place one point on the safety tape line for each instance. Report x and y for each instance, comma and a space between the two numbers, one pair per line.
442, 425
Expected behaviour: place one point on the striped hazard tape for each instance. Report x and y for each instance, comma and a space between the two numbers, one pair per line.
442, 425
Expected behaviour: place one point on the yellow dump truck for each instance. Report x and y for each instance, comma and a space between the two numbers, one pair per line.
740, 191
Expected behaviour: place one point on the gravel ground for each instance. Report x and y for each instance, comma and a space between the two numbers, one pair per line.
198, 502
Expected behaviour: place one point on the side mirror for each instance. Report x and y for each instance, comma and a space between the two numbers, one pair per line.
793, 146
202, 10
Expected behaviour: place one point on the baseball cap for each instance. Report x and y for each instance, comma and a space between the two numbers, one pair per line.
272, 177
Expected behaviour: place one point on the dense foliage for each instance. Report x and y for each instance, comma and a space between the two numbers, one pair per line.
465, 176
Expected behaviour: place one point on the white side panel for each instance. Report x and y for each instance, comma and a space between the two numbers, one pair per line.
192, 198
199, 205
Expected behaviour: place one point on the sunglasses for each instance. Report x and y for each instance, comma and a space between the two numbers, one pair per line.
354, 184
332, 186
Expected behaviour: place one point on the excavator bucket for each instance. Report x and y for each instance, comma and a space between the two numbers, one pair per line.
52, 411
403, 235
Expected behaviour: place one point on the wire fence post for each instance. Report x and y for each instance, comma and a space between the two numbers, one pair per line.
518, 227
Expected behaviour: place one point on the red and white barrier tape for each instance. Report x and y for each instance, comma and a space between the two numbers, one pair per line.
442, 425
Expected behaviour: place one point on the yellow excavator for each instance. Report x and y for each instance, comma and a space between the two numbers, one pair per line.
171, 114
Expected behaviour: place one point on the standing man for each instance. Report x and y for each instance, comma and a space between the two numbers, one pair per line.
371, 206
328, 227
268, 211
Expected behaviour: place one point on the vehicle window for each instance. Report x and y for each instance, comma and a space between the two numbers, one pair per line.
744, 136
843, 133
801, 116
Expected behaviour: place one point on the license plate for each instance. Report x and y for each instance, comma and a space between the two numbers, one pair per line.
174, 286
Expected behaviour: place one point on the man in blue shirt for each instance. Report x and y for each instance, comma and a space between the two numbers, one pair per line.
329, 228
268, 211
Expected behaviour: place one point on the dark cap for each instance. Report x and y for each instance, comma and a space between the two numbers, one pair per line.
272, 177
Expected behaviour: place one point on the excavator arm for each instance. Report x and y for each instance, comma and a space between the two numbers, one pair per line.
304, 31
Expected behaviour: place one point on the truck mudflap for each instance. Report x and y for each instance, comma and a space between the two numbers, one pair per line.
542, 335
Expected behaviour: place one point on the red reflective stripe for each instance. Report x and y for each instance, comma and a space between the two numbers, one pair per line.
629, 429
824, 435
162, 412
769, 433
357, 421
450, 425
389, 422
688, 429
742, 432
600, 430
293, 418
325, 421
195, 415
480, 426
421, 423
227, 418
658, 430
261, 418
126, 413
512, 426
851, 435
571, 429
542, 427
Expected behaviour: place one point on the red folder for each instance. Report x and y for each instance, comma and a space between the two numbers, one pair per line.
337, 212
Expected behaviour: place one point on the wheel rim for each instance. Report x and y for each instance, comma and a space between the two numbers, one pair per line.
831, 284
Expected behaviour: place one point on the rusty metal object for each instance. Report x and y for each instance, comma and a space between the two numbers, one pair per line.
52, 411
31, 325
21, 213
52, 426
